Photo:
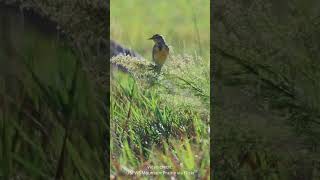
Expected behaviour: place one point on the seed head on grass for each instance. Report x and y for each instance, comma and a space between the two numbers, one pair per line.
140, 69
182, 75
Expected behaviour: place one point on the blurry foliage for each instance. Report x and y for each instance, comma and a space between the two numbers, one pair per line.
53, 113
277, 58
186, 29
84, 23
54, 125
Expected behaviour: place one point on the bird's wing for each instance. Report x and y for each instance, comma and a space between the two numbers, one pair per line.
153, 52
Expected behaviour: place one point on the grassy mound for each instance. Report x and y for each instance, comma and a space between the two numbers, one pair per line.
160, 119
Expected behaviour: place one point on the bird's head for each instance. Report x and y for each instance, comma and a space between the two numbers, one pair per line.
157, 38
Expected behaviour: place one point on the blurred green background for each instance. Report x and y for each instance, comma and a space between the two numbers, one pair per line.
184, 23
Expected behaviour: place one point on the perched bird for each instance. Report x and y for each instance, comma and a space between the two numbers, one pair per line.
160, 51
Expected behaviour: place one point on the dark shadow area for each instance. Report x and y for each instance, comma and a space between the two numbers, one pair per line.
53, 98
266, 90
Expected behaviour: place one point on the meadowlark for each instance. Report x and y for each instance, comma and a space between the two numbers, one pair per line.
160, 51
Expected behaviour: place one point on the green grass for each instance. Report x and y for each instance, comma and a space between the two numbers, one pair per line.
52, 119
161, 119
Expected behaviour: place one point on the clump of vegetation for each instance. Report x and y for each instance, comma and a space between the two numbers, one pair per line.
163, 123
180, 72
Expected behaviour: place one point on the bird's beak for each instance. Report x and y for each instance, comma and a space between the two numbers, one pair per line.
150, 38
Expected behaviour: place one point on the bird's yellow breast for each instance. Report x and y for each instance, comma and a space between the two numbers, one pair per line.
160, 55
